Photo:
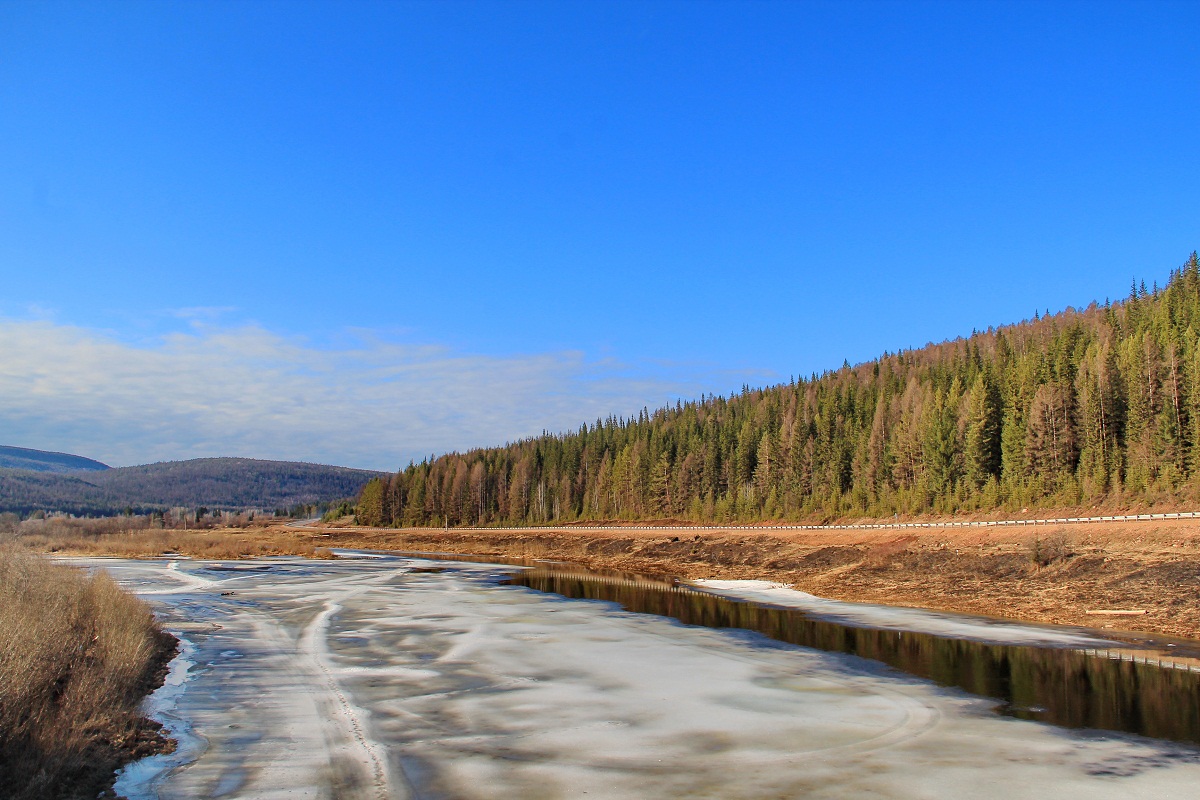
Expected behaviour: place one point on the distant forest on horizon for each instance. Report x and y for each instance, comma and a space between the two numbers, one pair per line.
1092, 406
217, 484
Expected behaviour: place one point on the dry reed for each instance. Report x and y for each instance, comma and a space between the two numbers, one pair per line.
77, 655
107, 537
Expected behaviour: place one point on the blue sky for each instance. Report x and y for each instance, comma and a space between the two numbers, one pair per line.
284, 224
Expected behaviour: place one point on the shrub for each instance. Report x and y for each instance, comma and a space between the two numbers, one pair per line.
1046, 550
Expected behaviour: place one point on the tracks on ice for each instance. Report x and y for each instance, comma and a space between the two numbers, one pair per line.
347, 718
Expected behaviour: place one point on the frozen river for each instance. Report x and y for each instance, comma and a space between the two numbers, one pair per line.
390, 677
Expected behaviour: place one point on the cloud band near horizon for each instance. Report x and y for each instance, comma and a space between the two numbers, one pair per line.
245, 391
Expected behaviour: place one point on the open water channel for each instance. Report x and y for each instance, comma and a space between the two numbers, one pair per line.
384, 676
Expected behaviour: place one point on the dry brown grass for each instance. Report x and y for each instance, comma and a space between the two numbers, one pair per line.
77, 655
85, 537
883, 553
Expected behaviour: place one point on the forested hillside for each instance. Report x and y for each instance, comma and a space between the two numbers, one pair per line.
1100, 405
23, 491
215, 483
45, 461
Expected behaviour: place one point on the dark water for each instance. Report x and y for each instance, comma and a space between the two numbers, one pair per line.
1068, 687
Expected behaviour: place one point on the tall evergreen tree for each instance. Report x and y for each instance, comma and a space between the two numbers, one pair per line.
982, 439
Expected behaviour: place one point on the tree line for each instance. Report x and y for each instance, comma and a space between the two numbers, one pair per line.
1092, 406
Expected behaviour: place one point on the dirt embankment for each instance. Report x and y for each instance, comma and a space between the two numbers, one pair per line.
1044, 574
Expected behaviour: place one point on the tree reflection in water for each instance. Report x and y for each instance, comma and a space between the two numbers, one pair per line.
1068, 687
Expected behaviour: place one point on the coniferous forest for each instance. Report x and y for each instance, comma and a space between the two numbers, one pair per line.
1099, 406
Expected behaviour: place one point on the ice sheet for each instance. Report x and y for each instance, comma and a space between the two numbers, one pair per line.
870, 615
359, 678
140, 780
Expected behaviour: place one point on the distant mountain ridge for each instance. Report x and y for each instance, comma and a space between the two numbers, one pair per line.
46, 461
215, 483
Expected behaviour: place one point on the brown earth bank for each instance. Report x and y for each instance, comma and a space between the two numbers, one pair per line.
1052, 574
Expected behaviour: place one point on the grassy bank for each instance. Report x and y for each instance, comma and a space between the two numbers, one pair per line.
110, 537
77, 656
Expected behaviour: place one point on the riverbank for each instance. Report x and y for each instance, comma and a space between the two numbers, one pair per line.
1139, 576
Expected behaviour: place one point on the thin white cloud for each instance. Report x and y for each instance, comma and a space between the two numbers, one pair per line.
247, 391
202, 313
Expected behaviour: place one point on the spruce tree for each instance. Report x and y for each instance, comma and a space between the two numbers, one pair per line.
982, 440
